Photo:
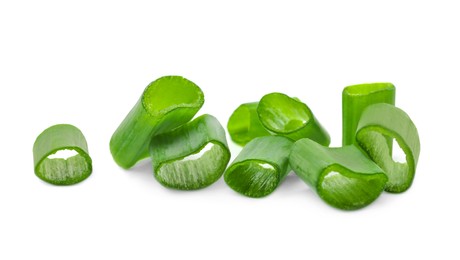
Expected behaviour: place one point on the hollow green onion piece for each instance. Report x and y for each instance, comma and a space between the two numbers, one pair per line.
343, 177
61, 155
260, 167
379, 123
192, 156
166, 103
289, 117
356, 98
244, 124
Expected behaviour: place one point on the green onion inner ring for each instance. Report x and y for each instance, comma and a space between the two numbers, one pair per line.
253, 178
194, 171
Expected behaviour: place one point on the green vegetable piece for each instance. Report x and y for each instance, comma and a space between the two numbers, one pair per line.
190, 157
379, 123
356, 98
166, 103
61, 155
260, 167
244, 124
343, 177
289, 117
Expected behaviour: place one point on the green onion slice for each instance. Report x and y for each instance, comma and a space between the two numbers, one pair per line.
289, 117
356, 98
244, 124
260, 167
343, 177
61, 155
166, 103
190, 157
379, 123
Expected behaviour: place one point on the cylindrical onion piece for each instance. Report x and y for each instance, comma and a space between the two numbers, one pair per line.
289, 117
166, 103
343, 177
244, 124
379, 123
260, 167
192, 156
61, 155
356, 98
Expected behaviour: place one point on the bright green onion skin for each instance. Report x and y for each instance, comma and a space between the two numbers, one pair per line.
165, 104
60, 171
356, 98
286, 116
181, 158
244, 124
344, 177
260, 167
379, 123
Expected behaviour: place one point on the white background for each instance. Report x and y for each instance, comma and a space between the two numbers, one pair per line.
87, 62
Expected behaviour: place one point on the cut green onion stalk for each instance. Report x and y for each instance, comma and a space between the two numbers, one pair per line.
190, 157
379, 123
289, 117
61, 155
343, 177
244, 124
356, 98
166, 103
260, 167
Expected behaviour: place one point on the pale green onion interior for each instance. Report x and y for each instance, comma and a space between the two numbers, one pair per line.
64, 169
376, 145
253, 178
350, 191
194, 171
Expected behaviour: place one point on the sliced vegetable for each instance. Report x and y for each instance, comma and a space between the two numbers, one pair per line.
343, 177
289, 117
356, 98
244, 124
192, 156
61, 155
260, 167
379, 123
166, 103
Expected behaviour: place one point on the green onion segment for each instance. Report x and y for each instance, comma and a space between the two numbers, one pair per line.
343, 177
244, 124
260, 167
51, 166
379, 123
166, 103
356, 98
192, 156
286, 116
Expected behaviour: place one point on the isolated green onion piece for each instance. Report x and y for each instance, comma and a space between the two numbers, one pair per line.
260, 167
166, 103
50, 166
379, 123
244, 124
289, 117
192, 156
343, 177
356, 98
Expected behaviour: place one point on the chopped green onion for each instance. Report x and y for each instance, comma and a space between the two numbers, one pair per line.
61, 155
356, 98
289, 117
379, 123
166, 103
343, 177
192, 156
244, 124
260, 167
